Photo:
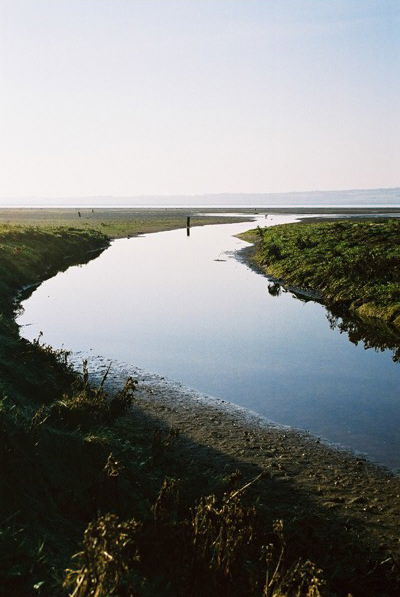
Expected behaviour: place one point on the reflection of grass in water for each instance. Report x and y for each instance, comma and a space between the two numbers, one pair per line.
352, 264
27, 255
374, 334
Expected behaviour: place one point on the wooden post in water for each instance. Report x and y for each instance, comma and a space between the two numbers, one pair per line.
188, 226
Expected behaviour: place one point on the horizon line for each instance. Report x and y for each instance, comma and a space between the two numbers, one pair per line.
206, 194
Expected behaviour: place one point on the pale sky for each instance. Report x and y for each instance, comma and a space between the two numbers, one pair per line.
136, 97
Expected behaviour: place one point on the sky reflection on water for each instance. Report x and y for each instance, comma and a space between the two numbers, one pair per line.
164, 303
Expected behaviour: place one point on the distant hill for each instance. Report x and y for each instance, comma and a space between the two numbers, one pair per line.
346, 198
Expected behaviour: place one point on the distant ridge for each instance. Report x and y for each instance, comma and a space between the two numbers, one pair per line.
384, 197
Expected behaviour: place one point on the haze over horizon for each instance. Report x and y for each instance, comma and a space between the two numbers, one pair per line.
389, 197
111, 98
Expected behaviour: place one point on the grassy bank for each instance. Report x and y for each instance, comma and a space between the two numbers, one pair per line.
73, 458
148, 509
27, 257
115, 223
351, 265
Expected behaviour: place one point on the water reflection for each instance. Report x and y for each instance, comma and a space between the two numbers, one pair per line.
274, 289
186, 308
372, 334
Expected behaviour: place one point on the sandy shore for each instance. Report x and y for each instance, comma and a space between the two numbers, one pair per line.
325, 485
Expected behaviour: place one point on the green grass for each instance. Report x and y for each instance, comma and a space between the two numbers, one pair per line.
72, 457
27, 256
115, 223
352, 265
82, 472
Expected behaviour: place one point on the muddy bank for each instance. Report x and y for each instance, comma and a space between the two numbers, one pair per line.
303, 472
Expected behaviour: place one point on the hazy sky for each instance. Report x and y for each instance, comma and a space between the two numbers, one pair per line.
128, 97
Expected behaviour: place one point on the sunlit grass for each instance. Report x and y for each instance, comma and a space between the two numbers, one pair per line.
351, 264
115, 223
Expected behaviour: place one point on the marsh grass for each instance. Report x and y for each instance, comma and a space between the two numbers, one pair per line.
353, 267
108, 559
352, 264
213, 549
87, 407
146, 534
28, 255
162, 441
115, 223
73, 457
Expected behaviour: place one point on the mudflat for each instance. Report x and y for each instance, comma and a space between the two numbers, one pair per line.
340, 501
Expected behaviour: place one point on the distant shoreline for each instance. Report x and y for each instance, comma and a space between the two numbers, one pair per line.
382, 197
302, 209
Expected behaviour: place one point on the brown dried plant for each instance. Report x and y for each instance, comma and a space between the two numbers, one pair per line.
107, 561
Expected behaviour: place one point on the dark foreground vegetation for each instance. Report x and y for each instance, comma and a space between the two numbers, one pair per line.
352, 266
83, 474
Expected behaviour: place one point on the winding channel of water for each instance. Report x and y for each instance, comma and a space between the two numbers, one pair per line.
186, 308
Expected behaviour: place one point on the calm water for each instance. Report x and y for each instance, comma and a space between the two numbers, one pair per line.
164, 303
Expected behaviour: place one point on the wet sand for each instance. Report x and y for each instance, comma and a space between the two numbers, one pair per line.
322, 483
